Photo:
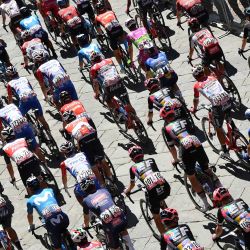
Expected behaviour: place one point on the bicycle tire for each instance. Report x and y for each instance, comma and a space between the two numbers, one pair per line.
211, 134
229, 246
47, 241
103, 41
145, 213
232, 90
164, 137
51, 32
163, 37
111, 166
141, 133
156, 14
66, 42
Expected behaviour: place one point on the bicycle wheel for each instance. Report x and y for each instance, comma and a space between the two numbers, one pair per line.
162, 36
210, 134
66, 42
140, 131
229, 246
156, 14
164, 137
149, 218
112, 169
231, 89
121, 123
102, 39
192, 194
47, 241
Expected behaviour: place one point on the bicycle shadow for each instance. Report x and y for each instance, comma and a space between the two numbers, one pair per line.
107, 115
130, 84
231, 70
55, 116
132, 219
172, 53
67, 52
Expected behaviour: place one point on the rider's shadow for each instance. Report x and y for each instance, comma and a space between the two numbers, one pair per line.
200, 134
68, 53
172, 54
135, 86
132, 219
54, 115
231, 70
239, 114
107, 115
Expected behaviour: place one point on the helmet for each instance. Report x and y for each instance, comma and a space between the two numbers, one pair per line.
25, 12
130, 24
68, 116
220, 194
1, 103
33, 182
135, 152
65, 97
40, 56
62, 3
25, 34
100, 7
151, 83
95, 57
11, 71
169, 215
148, 45
198, 71
67, 147
8, 133
86, 181
247, 114
247, 12
167, 111
193, 23
78, 235
2, 202
83, 39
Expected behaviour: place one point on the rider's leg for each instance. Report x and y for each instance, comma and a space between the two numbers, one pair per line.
13, 236
127, 240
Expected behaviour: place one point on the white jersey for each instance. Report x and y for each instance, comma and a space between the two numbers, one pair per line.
35, 45
10, 8
22, 87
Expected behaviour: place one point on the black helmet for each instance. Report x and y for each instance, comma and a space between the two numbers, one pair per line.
100, 7
1, 103
33, 183
25, 12
68, 116
11, 72
83, 39
67, 148
8, 134
65, 97
247, 12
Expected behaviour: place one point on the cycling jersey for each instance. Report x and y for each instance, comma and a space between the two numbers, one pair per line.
75, 164
49, 6
192, 7
70, 16
211, 88
32, 24
180, 238
85, 52
76, 107
105, 72
22, 88
236, 212
138, 37
18, 151
29, 47
93, 245
11, 8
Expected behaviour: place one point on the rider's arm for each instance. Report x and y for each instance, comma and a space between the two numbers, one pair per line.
64, 174
171, 145
3, 17
30, 213
39, 7
94, 81
163, 243
150, 109
192, 45
81, 57
39, 77
128, 6
9, 91
8, 163
245, 36
149, 73
178, 12
85, 214
196, 97
219, 228
132, 181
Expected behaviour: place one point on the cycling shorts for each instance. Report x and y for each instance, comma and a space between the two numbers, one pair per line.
118, 91
52, 7
144, 10
207, 59
155, 199
113, 231
26, 131
246, 239
169, 82
219, 115
6, 221
56, 225
31, 103
79, 29
4, 57
86, 8
67, 86
115, 39
92, 149
191, 156
28, 168
41, 34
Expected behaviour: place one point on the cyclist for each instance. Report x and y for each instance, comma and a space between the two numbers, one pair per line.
72, 21
206, 42
11, 116
246, 155
246, 30
6, 212
235, 212
176, 236
75, 163
137, 37
103, 74
113, 218
148, 173
194, 8
159, 98
52, 73
19, 151
114, 30
32, 24
4, 57
158, 64
87, 139
86, 49
11, 9
190, 149
27, 98
84, 6
44, 202
79, 237
210, 87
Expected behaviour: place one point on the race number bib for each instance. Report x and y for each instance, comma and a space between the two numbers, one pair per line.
192, 245
153, 180
74, 21
190, 141
60, 78
109, 214
245, 224
18, 122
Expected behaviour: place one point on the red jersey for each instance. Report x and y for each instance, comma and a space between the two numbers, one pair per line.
108, 21
70, 16
18, 151
96, 67
75, 106
32, 45
186, 5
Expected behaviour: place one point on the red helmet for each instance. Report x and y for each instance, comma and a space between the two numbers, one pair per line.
166, 111
135, 152
220, 194
151, 83
169, 215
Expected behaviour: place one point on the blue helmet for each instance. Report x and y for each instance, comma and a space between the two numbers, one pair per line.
62, 3
33, 182
247, 114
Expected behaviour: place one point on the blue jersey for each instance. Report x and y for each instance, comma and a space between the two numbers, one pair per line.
44, 202
249, 134
31, 23
85, 52
79, 193
157, 62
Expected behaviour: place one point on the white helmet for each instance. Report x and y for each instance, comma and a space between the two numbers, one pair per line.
197, 70
25, 34
78, 235
2, 202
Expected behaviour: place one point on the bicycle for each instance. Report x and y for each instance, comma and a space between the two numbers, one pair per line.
44, 135
102, 39
247, 59
235, 140
52, 25
3, 78
128, 119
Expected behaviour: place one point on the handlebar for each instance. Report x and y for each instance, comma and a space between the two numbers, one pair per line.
140, 188
201, 107
242, 53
